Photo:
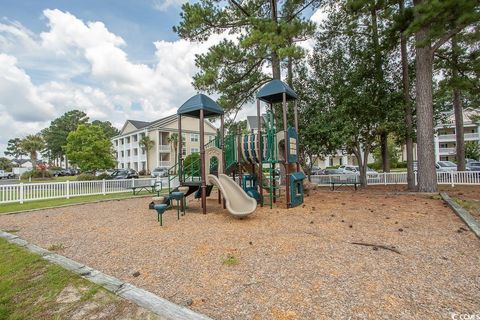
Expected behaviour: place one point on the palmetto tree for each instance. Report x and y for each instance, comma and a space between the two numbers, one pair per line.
173, 140
32, 144
147, 144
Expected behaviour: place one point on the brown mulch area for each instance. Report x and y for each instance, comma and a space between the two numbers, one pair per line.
280, 264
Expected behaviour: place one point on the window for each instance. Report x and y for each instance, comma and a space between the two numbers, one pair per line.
123, 154
194, 137
135, 138
128, 139
341, 161
122, 141
128, 153
116, 143
184, 151
135, 152
331, 161
123, 166
194, 150
116, 155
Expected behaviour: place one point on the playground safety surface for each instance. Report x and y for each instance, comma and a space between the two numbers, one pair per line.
413, 259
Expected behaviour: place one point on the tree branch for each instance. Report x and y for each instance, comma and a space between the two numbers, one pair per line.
447, 37
299, 11
236, 4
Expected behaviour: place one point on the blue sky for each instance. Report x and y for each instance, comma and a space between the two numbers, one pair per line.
114, 60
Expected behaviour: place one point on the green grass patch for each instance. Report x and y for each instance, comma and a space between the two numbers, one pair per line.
231, 260
56, 247
18, 207
30, 286
472, 206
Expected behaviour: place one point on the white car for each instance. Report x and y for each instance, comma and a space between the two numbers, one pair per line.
446, 166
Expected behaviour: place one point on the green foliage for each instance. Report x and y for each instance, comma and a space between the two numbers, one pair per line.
472, 150
107, 127
5, 164
35, 174
231, 260
56, 134
265, 35
89, 148
86, 177
104, 176
14, 148
233, 127
392, 155
32, 144
191, 165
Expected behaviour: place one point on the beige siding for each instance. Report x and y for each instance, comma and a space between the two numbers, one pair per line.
128, 128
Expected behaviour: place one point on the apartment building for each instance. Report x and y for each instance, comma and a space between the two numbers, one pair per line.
445, 137
129, 153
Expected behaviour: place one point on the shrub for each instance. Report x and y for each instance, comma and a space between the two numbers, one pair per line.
142, 172
86, 177
402, 164
34, 174
191, 164
103, 176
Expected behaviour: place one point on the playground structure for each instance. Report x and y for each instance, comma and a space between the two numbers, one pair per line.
255, 158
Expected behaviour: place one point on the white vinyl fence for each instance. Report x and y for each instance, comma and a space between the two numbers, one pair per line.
22, 192
452, 178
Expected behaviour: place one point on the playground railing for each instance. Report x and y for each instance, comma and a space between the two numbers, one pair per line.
23, 192
387, 178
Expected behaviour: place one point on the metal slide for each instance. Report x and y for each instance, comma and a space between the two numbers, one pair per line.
237, 201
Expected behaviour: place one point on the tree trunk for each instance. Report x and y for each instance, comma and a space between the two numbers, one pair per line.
276, 74
408, 106
379, 81
458, 109
427, 175
384, 151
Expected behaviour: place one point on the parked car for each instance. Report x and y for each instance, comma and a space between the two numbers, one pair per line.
124, 174
445, 166
349, 169
57, 172
473, 166
159, 172
332, 171
6, 175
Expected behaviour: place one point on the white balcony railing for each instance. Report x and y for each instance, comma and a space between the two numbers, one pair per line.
446, 137
164, 148
452, 137
165, 164
472, 136
446, 151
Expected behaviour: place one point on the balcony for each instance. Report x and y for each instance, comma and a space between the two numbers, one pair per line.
164, 148
447, 151
452, 137
165, 164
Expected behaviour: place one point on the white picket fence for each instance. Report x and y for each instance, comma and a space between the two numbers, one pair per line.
23, 192
451, 178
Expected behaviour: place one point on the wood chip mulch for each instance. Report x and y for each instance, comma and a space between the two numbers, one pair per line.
301, 263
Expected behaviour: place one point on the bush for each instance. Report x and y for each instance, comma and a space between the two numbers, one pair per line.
333, 167
103, 176
142, 173
191, 164
402, 165
86, 177
34, 174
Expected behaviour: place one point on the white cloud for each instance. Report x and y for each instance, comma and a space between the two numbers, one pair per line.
163, 5
71, 49
18, 96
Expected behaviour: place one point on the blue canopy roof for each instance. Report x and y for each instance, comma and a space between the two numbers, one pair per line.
199, 102
273, 92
